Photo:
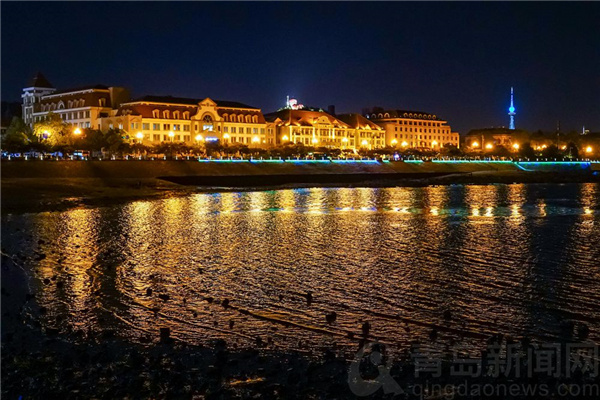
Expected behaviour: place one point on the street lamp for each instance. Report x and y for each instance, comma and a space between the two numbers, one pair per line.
588, 149
434, 143
199, 138
404, 144
516, 146
475, 144
489, 146
394, 142
315, 140
140, 136
171, 135
285, 138
77, 131
255, 139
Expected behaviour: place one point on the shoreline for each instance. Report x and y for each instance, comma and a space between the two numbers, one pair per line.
36, 195
40, 186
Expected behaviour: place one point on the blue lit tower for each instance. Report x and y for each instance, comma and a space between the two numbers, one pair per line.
511, 111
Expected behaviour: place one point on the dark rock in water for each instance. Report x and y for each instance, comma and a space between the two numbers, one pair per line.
433, 334
331, 317
583, 331
309, 298
366, 327
108, 333
51, 331
165, 334
148, 292
447, 315
225, 303
164, 297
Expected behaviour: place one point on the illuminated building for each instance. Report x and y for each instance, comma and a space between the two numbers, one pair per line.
496, 137
83, 107
368, 135
166, 118
311, 128
414, 129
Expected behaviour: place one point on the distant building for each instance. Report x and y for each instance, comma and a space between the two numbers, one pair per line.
489, 138
154, 119
414, 129
82, 107
311, 128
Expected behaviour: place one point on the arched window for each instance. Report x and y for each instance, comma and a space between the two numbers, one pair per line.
387, 115
165, 113
61, 105
70, 103
102, 102
373, 116
255, 119
186, 115
225, 117
380, 115
240, 118
155, 113
175, 114
207, 118
248, 120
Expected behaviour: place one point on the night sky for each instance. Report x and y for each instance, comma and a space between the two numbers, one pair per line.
457, 60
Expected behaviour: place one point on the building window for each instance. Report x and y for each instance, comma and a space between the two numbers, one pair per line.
233, 129
176, 127
225, 129
146, 126
102, 102
186, 128
156, 127
155, 113
166, 127
176, 114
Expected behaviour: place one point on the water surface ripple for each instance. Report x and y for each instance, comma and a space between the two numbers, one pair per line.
521, 260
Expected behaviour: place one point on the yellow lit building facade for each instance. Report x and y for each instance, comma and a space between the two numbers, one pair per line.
320, 129
414, 129
155, 119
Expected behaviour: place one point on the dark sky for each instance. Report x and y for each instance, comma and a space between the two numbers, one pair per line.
457, 60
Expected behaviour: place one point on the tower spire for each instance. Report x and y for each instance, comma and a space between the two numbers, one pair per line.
511, 110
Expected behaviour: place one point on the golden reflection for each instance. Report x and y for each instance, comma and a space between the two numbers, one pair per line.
475, 212
489, 212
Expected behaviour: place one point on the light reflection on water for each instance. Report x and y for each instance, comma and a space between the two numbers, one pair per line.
512, 259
